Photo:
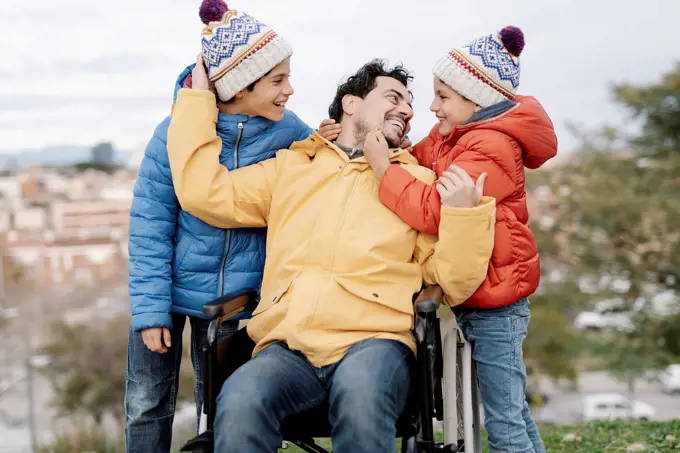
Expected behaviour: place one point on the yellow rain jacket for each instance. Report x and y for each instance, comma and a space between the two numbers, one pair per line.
341, 267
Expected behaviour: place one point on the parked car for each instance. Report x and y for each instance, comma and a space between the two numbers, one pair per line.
670, 379
605, 314
613, 406
8, 313
613, 314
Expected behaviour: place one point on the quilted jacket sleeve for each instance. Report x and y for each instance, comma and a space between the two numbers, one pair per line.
153, 218
418, 204
493, 153
415, 202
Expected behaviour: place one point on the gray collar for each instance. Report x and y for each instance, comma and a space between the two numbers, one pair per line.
351, 152
491, 111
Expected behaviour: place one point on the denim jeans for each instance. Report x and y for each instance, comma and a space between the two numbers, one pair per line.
496, 337
152, 381
367, 392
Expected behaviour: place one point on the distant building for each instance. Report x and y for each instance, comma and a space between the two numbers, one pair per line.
102, 154
48, 261
10, 190
92, 218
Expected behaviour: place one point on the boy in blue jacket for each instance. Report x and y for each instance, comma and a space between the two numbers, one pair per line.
179, 263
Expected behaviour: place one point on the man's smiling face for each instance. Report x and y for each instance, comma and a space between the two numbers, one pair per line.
387, 107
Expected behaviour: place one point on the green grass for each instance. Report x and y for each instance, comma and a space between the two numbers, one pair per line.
600, 437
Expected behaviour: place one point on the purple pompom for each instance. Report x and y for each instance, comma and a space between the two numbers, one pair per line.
513, 40
212, 11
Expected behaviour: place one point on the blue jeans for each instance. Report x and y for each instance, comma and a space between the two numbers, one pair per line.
151, 385
496, 337
367, 392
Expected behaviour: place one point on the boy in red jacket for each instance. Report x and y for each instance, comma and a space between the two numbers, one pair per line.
485, 129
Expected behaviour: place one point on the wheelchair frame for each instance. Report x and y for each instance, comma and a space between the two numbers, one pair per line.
449, 362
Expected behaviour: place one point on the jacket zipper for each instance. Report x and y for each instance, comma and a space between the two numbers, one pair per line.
228, 233
350, 197
344, 216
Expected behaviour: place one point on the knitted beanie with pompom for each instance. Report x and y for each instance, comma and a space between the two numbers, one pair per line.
485, 71
237, 48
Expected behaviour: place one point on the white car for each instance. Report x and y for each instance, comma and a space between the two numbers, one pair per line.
604, 315
670, 378
612, 406
9, 313
612, 313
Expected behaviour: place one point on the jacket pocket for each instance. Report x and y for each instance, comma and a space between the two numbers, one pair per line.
271, 297
394, 296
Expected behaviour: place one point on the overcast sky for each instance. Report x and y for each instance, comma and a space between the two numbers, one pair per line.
83, 71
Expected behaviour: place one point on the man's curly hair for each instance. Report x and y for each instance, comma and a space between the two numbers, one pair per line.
364, 81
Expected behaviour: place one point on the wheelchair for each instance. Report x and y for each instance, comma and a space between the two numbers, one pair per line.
444, 387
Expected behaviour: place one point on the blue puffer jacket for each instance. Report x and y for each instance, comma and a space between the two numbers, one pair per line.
177, 262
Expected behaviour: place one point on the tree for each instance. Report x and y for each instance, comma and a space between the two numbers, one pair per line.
552, 344
617, 235
658, 107
88, 366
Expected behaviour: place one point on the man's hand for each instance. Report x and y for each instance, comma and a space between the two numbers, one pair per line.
157, 339
457, 189
329, 130
199, 78
377, 152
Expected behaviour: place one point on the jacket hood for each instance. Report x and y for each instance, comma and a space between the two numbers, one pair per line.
181, 79
528, 123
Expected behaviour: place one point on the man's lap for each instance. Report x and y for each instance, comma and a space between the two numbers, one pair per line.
277, 379
282, 382
368, 393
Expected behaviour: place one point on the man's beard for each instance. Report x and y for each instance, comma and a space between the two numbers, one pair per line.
361, 130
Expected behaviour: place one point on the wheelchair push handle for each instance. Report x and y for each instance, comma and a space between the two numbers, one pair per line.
429, 299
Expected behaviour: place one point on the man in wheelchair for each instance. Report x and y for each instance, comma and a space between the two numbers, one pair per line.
333, 324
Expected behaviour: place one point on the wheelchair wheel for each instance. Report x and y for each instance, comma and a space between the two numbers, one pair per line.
409, 445
472, 439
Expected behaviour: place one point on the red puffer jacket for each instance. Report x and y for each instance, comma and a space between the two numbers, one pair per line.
500, 145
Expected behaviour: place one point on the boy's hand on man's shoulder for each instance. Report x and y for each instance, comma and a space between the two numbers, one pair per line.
457, 189
329, 130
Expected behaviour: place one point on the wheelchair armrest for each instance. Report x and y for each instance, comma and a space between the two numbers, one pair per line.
429, 299
228, 304
226, 307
